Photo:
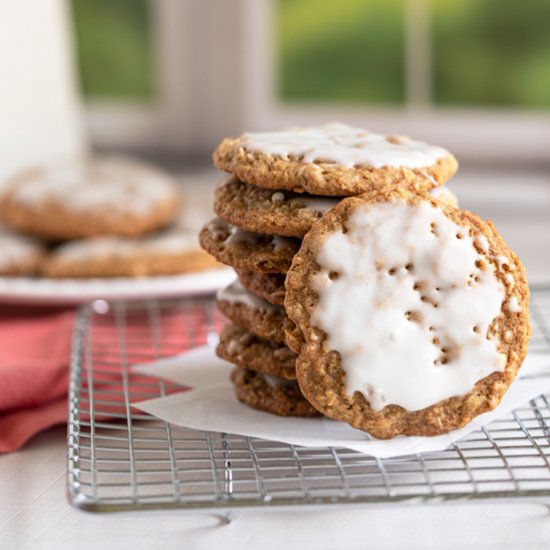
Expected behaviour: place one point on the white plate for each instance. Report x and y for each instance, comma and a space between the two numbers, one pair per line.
22, 290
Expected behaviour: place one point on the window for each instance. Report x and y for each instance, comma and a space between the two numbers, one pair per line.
491, 53
181, 74
114, 48
350, 50
494, 53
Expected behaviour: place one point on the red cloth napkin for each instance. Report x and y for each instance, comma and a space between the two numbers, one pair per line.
35, 347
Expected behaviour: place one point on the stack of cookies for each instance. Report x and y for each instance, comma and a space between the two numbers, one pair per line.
109, 217
364, 293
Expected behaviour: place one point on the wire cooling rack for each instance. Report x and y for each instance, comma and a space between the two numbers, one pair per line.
122, 459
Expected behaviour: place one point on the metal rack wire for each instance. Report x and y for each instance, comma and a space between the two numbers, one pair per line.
122, 459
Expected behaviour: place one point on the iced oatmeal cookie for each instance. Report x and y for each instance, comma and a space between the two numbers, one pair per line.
333, 159
248, 251
270, 393
168, 252
91, 197
252, 313
19, 255
285, 213
413, 315
242, 348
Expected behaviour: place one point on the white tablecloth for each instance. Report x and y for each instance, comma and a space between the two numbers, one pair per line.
34, 514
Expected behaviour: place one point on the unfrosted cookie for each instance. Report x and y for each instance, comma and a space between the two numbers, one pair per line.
245, 250
252, 313
414, 315
169, 252
269, 286
91, 197
270, 393
19, 255
241, 347
285, 213
334, 159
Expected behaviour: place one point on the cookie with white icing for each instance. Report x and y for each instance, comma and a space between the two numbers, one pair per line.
246, 250
285, 213
86, 198
19, 255
244, 349
168, 252
271, 394
252, 313
413, 315
269, 286
333, 159
262, 210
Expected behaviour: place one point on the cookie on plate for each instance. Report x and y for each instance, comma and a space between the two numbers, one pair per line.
285, 213
252, 313
269, 286
168, 252
270, 393
244, 349
248, 251
86, 198
19, 255
333, 159
414, 315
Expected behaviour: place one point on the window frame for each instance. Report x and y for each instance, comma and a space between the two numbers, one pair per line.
235, 42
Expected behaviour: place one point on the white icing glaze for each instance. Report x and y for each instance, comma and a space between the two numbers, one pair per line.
277, 197
113, 183
431, 178
513, 305
236, 293
238, 236
280, 243
217, 228
344, 145
317, 204
16, 249
437, 192
509, 278
482, 242
171, 242
323, 204
278, 382
504, 262
409, 311
442, 193
234, 347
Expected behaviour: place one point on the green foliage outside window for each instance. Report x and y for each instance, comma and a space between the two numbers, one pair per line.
488, 53
492, 52
114, 48
349, 50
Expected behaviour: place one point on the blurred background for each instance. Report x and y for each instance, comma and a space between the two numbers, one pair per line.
167, 79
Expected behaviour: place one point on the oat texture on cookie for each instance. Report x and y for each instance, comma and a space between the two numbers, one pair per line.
252, 313
282, 213
413, 314
333, 159
270, 393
